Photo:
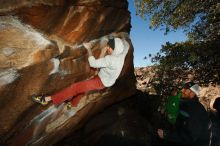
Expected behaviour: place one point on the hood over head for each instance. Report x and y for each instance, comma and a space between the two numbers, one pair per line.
119, 46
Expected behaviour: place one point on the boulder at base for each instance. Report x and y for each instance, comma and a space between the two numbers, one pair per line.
41, 52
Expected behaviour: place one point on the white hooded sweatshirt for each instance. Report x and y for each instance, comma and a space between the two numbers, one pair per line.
111, 65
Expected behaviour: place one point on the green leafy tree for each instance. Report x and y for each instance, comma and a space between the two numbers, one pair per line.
199, 54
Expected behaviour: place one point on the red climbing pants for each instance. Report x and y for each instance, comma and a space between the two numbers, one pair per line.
77, 89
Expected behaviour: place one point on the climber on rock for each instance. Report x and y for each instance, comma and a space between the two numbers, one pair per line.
110, 68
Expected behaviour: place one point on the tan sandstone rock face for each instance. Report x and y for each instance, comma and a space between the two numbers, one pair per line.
41, 52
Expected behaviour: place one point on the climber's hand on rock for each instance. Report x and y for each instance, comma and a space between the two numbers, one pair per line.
88, 46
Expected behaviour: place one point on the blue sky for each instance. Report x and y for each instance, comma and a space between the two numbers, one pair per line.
146, 41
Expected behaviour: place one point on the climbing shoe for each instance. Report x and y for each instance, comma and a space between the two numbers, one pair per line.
39, 99
68, 106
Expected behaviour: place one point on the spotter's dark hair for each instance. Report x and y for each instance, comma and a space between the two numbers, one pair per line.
188, 85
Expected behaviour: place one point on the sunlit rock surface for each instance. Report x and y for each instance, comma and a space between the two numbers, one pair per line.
127, 123
41, 52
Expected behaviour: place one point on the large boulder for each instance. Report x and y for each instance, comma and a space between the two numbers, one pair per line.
41, 52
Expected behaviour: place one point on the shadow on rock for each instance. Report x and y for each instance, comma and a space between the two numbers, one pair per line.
128, 122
